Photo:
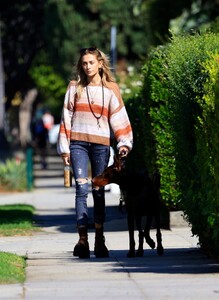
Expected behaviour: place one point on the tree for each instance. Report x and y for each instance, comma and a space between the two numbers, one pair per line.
193, 15
21, 40
69, 26
2, 89
3, 142
47, 35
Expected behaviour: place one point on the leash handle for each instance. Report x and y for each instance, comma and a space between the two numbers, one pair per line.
123, 153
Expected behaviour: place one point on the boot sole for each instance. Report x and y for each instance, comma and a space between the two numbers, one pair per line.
82, 255
101, 254
81, 252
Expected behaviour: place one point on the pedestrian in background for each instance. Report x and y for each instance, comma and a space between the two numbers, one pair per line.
92, 108
48, 120
40, 137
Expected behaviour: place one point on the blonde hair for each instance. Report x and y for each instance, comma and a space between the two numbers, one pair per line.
105, 72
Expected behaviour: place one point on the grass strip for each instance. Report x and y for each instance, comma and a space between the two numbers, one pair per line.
16, 219
12, 268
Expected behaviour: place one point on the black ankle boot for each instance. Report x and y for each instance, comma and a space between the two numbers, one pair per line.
81, 249
100, 249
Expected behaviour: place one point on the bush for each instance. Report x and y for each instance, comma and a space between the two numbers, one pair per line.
181, 100
13, 175
193, 76
160, 150
206, 160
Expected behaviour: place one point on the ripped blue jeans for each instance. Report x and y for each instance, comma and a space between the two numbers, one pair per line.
98, 155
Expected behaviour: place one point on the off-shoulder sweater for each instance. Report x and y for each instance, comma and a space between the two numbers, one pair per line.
78, 122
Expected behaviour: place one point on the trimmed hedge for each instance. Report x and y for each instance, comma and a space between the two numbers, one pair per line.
180, 129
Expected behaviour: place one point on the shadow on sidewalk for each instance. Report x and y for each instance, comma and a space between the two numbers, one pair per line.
174, 261
66, 220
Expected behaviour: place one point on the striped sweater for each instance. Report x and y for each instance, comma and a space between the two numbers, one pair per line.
78, 122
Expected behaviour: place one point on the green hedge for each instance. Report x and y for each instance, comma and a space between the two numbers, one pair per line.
206, 160
159, 115
180, 99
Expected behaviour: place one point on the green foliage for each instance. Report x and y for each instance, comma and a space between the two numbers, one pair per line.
62, 27
69, 26
130, 84
16, 219
63, 30
192, 73
186, 80
51, 86
12, 268
13, 175
207, 156
214, 27
196, 17
181, 90
158, 14
160, 143
184, 75
21, 35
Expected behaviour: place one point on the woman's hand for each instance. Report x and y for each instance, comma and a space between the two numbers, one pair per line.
66, 160
123, 151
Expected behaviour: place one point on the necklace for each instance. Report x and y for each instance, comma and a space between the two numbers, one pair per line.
93, 94
93, 113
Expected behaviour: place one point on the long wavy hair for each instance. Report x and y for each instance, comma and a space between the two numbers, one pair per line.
105, 72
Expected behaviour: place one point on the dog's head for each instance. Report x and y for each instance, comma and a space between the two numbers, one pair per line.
111, 174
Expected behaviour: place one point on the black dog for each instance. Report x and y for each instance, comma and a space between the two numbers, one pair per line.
141, 197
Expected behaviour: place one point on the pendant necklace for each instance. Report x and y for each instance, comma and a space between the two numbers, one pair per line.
93, 113
93, 94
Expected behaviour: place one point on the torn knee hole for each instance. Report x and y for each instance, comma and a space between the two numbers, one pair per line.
82, 180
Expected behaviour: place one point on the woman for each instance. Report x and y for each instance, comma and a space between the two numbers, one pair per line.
92, 108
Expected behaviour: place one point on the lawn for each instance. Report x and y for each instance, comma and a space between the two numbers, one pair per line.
15, 220
12, 268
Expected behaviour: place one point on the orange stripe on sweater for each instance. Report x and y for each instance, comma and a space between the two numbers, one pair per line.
123, 131
64, 130
81, 107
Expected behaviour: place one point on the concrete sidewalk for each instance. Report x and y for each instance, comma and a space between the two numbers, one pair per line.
183, 272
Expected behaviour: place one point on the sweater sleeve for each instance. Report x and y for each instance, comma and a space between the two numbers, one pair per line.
66, 121
119, 121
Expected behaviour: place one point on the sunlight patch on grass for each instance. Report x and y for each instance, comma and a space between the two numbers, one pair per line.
16, 219
12, 268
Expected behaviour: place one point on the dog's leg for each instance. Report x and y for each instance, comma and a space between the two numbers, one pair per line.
148, 239
159, 235
131, 228
140, 251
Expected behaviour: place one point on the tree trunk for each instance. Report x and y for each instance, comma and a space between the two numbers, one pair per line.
25, 114
3, 141
2, 90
